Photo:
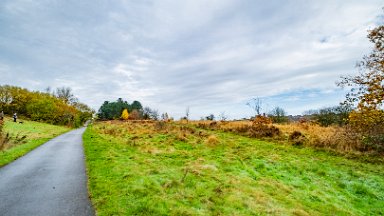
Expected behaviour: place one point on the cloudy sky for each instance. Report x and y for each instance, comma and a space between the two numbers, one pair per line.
210, 55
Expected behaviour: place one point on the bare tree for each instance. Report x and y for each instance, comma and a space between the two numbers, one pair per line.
155, 114
255, 105
278, 115
149, 113
223, 116
65, 94
48, 90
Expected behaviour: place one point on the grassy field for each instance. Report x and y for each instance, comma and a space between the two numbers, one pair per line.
173, 169
25, 137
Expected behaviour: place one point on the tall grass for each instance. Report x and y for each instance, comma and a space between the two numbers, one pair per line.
341, 139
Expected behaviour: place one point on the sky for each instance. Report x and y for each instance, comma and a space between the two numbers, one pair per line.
212, 56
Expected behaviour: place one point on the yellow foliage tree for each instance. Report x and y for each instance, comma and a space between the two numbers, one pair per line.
125, 114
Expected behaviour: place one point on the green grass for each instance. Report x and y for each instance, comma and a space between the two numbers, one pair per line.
136, 170
35, 134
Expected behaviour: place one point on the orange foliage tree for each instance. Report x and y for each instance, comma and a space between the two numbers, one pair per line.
367, 92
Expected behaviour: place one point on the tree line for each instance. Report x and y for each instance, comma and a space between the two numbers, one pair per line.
59, 107
135, 111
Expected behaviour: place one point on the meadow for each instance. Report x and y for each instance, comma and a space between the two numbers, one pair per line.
339, 139
176, 168
17, 139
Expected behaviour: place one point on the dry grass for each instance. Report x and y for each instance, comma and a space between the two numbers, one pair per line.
212, 141
341, 139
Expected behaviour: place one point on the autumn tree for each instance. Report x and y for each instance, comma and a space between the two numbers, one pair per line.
367, 92
125, 114
135, 115
41, 106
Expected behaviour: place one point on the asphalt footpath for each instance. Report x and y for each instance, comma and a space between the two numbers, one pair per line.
49, 180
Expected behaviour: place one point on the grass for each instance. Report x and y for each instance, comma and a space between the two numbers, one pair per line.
171, 169
333, 138
26, 137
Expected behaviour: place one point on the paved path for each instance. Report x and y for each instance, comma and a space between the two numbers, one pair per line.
49, 180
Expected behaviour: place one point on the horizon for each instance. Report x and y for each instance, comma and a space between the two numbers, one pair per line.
211, 57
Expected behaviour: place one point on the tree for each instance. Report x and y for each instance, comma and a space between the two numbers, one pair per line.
210, 117
367, 92
368, 86
65, 94
135, 115
164, 117
125, 114
113, 110
154, 114
43, 110
223, 116
149, 113
255, 105
327, 116
5, 95
278, 115
42, 106
136, 105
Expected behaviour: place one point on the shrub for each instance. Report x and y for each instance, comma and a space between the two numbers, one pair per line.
369, 123
135, 115
297, 138
261, 130
261, 127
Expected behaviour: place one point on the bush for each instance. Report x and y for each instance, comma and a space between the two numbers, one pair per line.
297, 138
369, 123
261, 127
